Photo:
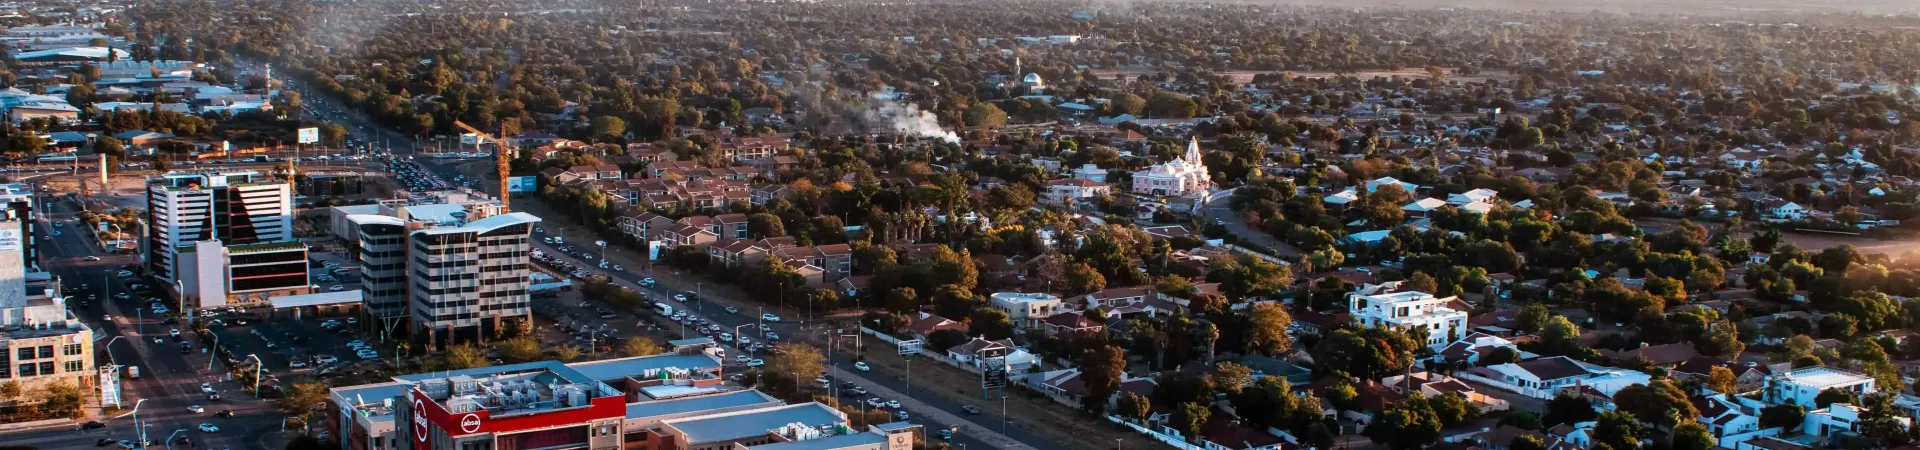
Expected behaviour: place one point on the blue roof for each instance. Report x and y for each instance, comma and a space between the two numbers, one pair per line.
373, 393
694, 404
614, 369
754, 423
827, 443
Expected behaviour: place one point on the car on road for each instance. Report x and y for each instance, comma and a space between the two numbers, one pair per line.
224, 413
337, 288
733, 310
175, 332
104, 442
92, 425
295, 364
900, 415
209, 428
743, 359
196, 409
682, 298
159, 340
128, 444
617, 268
726, 337
326, 359
946, 435
769, 318
756, 363
862, 366
970, 409
92, 258
125, 274
876, 402
859, 390
893, 403
646, 282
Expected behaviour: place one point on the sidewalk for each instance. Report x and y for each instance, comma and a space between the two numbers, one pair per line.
923, 410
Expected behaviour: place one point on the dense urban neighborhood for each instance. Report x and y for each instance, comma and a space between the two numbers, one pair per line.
942, 224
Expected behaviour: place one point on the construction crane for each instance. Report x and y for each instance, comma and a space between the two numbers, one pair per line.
500, 157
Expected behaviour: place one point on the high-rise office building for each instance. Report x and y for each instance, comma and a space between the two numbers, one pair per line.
468, 277
233, 207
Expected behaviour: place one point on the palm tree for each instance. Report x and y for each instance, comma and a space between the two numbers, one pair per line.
1211, 334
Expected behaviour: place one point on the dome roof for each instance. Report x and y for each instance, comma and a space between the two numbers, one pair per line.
1032, 78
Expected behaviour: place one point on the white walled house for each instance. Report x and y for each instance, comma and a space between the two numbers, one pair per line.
1067, 192
1784, 210
1801, 386
1543, 378
1405, 310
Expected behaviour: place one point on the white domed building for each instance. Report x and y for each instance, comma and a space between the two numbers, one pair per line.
1182, 177
1033, 84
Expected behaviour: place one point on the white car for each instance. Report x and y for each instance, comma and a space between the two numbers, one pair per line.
295, 364
726, 337
326, 359
196, 409
337, 288
733, 310
769, 318
756, 363
175, 332
876, 402
743, 359
862, 366
209, 428
893, 404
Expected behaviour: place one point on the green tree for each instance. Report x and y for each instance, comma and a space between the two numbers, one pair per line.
1721, 379
302, 399
1660, 402
520, 349
986, 115
640, 346
609, 128
1618, 429
801, 360
1188, 418
1788, 416
1133, 406
1691, 435
1128, 103
1268, 331
1410, 425
991, 323
1526, 442
1831, 396
1100, 369
1532, 317
333, 135
1568, 409
463, 356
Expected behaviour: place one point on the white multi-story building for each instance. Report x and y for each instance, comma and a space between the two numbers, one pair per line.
1182, 177
1406, 310
1028, 309
465, 278
1802, 385
233, 207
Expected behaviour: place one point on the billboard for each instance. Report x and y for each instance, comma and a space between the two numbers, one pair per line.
309, 135
523, 184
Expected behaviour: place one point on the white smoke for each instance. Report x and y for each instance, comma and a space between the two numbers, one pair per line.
905, 118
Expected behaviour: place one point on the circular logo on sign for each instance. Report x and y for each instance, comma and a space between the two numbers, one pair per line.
470, 423
419, 420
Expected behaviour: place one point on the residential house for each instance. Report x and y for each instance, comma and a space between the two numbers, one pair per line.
1664, 356
977, 352
1072, 191
1475, 346
730, 226
1403, 310
926, 324
1070, 324
1801, 386
1545, 377
640, 224
767, 194
600, 172
682, 234
1777, 209
1747, 376
1027, 309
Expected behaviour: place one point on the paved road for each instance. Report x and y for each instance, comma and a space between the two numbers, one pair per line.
669, 284
169, 381
1220, 212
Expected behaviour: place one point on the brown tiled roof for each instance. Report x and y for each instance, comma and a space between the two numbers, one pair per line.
1552, 368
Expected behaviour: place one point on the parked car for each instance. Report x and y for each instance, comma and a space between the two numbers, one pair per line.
862, 366
769, 318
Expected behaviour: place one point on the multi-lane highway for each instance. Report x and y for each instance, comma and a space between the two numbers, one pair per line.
169, 381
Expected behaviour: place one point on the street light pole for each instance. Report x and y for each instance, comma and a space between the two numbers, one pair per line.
256, 373
109, 346
170, 437
213, 353
142, 432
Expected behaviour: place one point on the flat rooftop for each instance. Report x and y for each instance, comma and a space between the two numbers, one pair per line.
827, 443
1825, 376
614, 369
758, 422
658, 408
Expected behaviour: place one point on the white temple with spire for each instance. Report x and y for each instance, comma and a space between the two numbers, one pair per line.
1182, 177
